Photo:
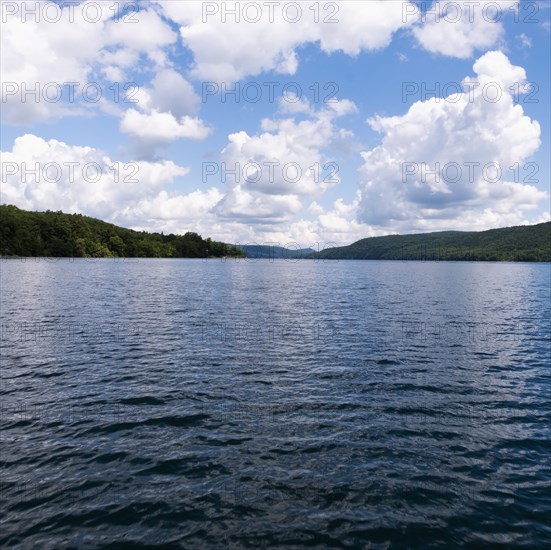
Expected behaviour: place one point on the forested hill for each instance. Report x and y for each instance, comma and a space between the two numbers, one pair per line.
56, 234
525, 243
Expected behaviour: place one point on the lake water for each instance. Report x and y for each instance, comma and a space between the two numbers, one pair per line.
255, 404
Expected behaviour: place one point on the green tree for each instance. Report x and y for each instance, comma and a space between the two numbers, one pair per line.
116, 244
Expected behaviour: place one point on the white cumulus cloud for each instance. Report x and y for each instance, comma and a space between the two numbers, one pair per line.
39, 175
281, 166
459, 28
439, 164
86, 44
264, 38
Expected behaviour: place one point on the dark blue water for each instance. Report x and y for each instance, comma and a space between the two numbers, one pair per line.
220, 404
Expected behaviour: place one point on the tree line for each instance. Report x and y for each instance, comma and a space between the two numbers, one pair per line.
524, 243
55, 234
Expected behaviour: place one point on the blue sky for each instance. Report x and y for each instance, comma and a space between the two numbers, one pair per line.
375, 145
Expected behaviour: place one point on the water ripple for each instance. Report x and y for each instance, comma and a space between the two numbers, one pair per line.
191, 404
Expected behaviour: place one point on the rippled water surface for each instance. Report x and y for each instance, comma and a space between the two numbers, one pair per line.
190, 403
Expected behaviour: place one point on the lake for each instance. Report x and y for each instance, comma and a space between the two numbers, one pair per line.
212, 403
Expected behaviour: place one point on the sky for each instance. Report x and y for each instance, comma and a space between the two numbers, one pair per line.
313, 123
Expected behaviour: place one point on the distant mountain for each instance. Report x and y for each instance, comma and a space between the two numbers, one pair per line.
525, 243
275, 252
56, 234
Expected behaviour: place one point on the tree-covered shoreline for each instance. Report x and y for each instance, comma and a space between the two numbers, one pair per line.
59, 235
523, 243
